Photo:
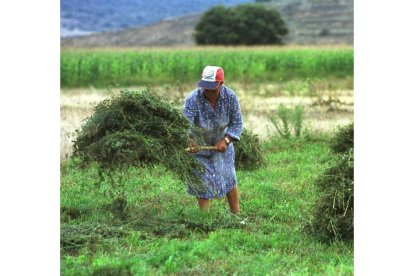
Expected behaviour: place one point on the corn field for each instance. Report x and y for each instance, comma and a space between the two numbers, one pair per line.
103, 67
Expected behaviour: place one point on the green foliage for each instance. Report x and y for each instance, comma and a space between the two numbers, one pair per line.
74, 237
297, 119
101, 68
287, 120
343, 139
247, 24
137, 128
166, 233
333, 216
249, 152
281, 122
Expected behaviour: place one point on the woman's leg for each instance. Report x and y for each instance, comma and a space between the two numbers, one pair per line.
204, 203
233, 198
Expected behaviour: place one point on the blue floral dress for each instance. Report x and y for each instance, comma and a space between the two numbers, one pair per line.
226, 118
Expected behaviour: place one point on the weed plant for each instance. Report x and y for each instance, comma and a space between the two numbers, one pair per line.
288, 120
282, 121
297, 119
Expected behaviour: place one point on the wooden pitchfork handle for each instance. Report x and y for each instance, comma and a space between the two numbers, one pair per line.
199, 148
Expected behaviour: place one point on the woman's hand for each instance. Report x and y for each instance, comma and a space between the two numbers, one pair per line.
193, 146
221, 145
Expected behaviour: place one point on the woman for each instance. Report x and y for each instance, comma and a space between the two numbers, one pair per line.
215, 108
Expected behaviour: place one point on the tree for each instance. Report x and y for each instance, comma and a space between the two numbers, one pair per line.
248, 24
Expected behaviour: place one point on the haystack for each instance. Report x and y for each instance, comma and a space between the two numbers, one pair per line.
333, 216
249, 152
138, 128
343, 139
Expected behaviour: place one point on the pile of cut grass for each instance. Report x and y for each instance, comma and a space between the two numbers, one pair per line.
137, 128
333, 217
249, 152
343, 139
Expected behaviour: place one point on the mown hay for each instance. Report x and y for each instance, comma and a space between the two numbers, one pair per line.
333, 216
74, 237
334, 212
137, 128
249, 152
343, 139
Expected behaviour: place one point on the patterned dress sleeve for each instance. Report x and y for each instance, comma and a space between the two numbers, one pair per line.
235, 126
189, 109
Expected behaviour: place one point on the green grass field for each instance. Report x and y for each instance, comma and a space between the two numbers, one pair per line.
162, 231
128, 67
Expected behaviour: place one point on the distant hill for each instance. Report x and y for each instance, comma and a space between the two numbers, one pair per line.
317, 21
308, 21
79, 17
177, 32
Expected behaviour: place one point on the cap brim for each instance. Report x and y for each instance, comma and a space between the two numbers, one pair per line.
207, 84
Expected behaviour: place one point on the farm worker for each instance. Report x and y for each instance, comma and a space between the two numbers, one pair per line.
216, 109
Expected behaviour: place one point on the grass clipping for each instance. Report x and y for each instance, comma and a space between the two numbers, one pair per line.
138, 128
333, 217
249, 152
343, 139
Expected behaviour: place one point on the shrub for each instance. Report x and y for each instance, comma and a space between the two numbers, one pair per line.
249, 152
248, 24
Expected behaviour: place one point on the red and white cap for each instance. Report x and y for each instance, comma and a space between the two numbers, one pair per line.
211, 77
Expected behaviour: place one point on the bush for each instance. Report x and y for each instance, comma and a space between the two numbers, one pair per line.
248, 24
249, 152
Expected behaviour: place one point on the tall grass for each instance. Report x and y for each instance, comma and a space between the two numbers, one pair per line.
165, 233
102, 68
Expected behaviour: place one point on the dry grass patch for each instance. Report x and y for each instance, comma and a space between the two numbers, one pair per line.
320, 113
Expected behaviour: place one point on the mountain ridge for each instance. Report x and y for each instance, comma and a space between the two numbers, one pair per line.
177, 32
79, 17
308, 21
